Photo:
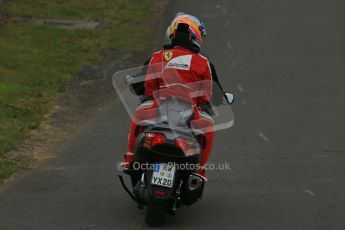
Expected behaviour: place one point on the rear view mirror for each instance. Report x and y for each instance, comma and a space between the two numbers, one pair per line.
229, 97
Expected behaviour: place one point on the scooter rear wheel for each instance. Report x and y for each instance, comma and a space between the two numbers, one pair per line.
155, 214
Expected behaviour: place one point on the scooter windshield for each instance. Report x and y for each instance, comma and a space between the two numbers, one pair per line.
155, 84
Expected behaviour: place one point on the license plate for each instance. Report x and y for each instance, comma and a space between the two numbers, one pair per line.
163, 175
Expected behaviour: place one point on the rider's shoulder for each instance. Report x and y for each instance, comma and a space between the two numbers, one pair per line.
202, 56
178, 51
158, 52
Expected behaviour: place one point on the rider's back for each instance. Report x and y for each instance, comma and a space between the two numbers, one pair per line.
181, 66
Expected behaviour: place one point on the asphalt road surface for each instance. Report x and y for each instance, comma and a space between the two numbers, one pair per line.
284, 60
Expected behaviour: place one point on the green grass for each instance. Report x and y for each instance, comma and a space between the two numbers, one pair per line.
8, 169
36, 61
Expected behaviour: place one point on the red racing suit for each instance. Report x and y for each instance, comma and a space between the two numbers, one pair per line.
166, 68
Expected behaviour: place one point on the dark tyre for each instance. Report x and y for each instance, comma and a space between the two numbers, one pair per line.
155, 214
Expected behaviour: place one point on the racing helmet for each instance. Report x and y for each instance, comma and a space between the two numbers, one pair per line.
196, 28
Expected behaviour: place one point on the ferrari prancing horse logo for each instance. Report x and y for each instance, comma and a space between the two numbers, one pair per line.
168, 55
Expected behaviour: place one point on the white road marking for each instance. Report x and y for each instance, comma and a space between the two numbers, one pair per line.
309, 192
263, 136
217, 6
228, 44
240, 88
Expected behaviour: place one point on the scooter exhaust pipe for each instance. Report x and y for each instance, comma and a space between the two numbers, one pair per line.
195, 182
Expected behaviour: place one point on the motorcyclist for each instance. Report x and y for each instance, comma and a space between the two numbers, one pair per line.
218, 91
183, 55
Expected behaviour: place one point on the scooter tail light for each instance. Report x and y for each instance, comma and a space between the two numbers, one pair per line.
152, 139
188, 146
